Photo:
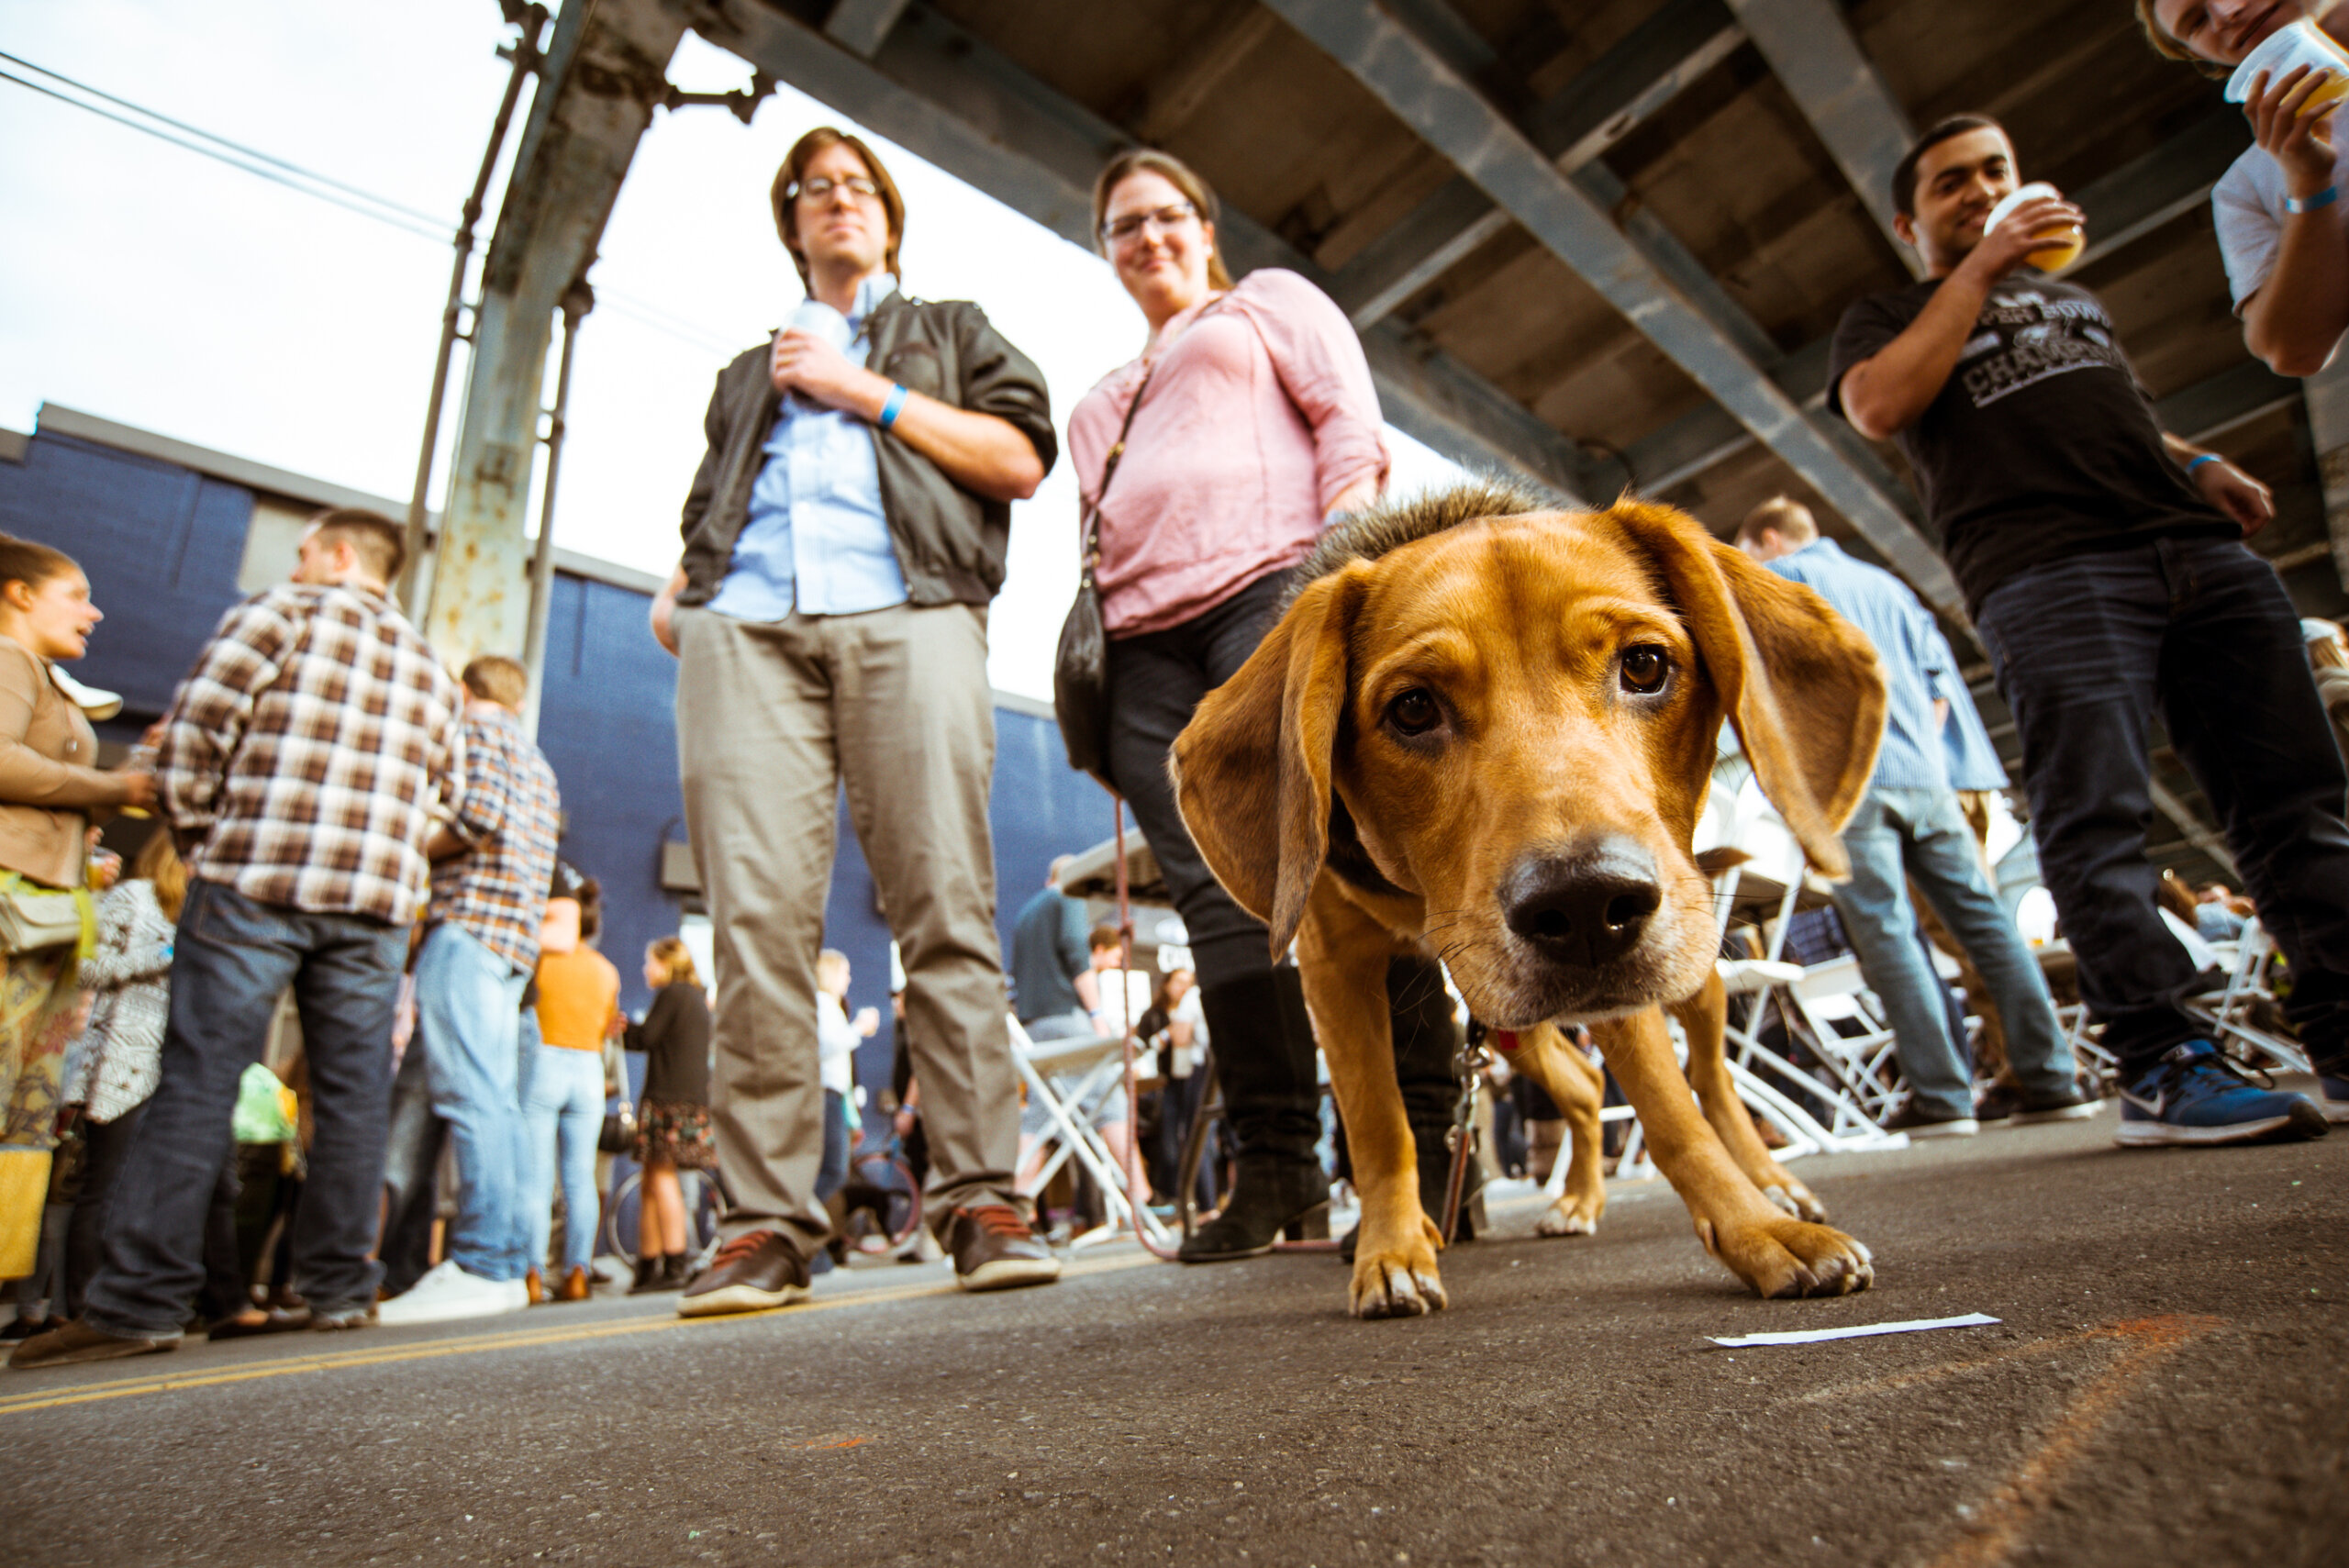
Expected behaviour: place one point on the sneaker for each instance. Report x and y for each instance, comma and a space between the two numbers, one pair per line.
1913, 1120
2195, 1096
336, 1319
449, 1292
2069, 1106
749, 1274
77, 1341
994, 1250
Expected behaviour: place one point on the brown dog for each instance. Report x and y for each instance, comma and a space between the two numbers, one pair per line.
1486, 731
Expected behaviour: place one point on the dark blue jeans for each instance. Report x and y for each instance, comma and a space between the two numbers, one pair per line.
232, 959
2200, 631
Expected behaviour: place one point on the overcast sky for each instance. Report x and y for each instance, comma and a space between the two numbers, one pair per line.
148, 285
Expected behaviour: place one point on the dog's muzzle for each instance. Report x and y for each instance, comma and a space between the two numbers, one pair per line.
1584, 906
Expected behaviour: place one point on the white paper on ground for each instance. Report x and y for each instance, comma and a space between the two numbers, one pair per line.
1857, 1331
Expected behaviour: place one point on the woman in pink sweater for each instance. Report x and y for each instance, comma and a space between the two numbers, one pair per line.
1259, 423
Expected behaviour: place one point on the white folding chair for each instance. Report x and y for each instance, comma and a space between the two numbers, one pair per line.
1096, 1064
2234, 1009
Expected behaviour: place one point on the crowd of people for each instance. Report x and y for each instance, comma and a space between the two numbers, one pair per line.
343, 819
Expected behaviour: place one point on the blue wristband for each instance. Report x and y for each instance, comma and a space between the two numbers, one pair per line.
2325, 197
894, 406
2206, 457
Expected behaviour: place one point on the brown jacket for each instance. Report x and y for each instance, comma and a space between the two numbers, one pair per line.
49, 779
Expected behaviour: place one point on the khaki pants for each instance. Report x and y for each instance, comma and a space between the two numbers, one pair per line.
773, 720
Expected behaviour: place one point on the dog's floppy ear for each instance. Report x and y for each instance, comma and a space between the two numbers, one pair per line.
1252, 769
1801, 685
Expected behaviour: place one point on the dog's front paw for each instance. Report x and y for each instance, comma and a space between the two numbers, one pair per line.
1795, 1198
1789, 1257
1398, 1280
1574, 1214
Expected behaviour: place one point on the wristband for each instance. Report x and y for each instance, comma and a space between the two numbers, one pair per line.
2325, 197
2206, 457
893, 406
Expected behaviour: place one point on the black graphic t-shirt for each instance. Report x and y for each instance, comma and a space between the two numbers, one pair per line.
2041, 445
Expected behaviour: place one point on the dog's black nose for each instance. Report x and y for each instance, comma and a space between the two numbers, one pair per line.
1586, 905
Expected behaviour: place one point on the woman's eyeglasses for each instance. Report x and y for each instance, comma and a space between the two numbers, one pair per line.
823, 185
1118, 231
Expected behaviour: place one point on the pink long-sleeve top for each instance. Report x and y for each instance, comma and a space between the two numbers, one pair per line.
1260, 415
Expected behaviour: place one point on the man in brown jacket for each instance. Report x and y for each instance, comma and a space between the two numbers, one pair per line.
842, 541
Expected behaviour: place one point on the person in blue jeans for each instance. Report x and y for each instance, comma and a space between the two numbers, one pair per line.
492, 867
562, 1081
1908, 829
2102, 561
302, 768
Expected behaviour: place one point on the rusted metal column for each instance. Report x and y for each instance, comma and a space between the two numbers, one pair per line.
577, 303
524, 53
605, 71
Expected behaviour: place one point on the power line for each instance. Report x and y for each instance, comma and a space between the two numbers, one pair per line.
239, 148
383, 209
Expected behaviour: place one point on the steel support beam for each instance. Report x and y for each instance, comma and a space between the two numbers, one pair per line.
859, 26
606, 69
938, 91
1811, 51
1413, 81
2328, 396
1603, 104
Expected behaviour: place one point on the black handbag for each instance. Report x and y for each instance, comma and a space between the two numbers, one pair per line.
619, 1136
1081, 665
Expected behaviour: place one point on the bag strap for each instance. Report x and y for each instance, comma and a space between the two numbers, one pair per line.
1117, 450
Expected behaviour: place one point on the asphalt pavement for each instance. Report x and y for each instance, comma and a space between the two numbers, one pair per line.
2168, 1382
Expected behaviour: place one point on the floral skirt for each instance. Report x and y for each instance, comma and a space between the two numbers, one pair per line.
37, 1013
677, 1133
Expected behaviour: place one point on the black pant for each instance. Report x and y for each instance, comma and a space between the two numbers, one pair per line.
2200, 631
1263, 1046
222, 1294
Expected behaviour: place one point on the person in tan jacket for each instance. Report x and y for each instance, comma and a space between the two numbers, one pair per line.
51, 792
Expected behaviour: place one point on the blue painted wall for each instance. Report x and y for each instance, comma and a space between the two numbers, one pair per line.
161, 545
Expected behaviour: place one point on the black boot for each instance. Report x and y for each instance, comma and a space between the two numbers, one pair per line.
1270, 1195
648, 1275
675, 1273
1263, 1054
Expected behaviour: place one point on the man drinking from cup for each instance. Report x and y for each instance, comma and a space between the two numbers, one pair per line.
2102, 564
2277, 209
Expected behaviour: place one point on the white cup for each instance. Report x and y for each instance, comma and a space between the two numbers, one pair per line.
2298, 43
2063, 242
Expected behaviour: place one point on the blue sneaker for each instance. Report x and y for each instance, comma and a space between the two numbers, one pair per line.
2195, 1096
2332, 1089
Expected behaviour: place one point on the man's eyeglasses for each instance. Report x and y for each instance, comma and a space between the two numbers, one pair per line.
823, 185
1118, 231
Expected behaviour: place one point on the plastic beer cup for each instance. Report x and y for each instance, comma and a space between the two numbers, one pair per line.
2298, 43
2065, 241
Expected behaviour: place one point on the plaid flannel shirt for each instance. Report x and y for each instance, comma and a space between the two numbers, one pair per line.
511, 814
311, 752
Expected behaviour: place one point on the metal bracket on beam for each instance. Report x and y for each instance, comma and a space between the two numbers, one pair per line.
741, 103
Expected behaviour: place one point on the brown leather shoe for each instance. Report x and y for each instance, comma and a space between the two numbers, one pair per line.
575, 1286
749, 1274
77, 1341
533, 1287
994, 1250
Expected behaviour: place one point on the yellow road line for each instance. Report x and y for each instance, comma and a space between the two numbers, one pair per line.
475, 1344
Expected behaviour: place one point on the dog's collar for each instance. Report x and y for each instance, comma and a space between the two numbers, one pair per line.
1349, 859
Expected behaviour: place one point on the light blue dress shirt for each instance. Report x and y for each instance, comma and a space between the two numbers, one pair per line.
1972, 760
1884, 609
817, 538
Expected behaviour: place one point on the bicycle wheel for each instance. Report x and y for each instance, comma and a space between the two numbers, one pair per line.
620, 1221
884, 1203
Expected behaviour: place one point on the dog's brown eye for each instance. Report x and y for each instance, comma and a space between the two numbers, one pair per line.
1643, 670
1415, 712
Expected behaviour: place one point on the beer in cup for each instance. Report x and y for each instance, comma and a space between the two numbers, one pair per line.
2299, 43
2064, 240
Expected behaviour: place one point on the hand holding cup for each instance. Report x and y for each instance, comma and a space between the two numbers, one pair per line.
2034, 224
